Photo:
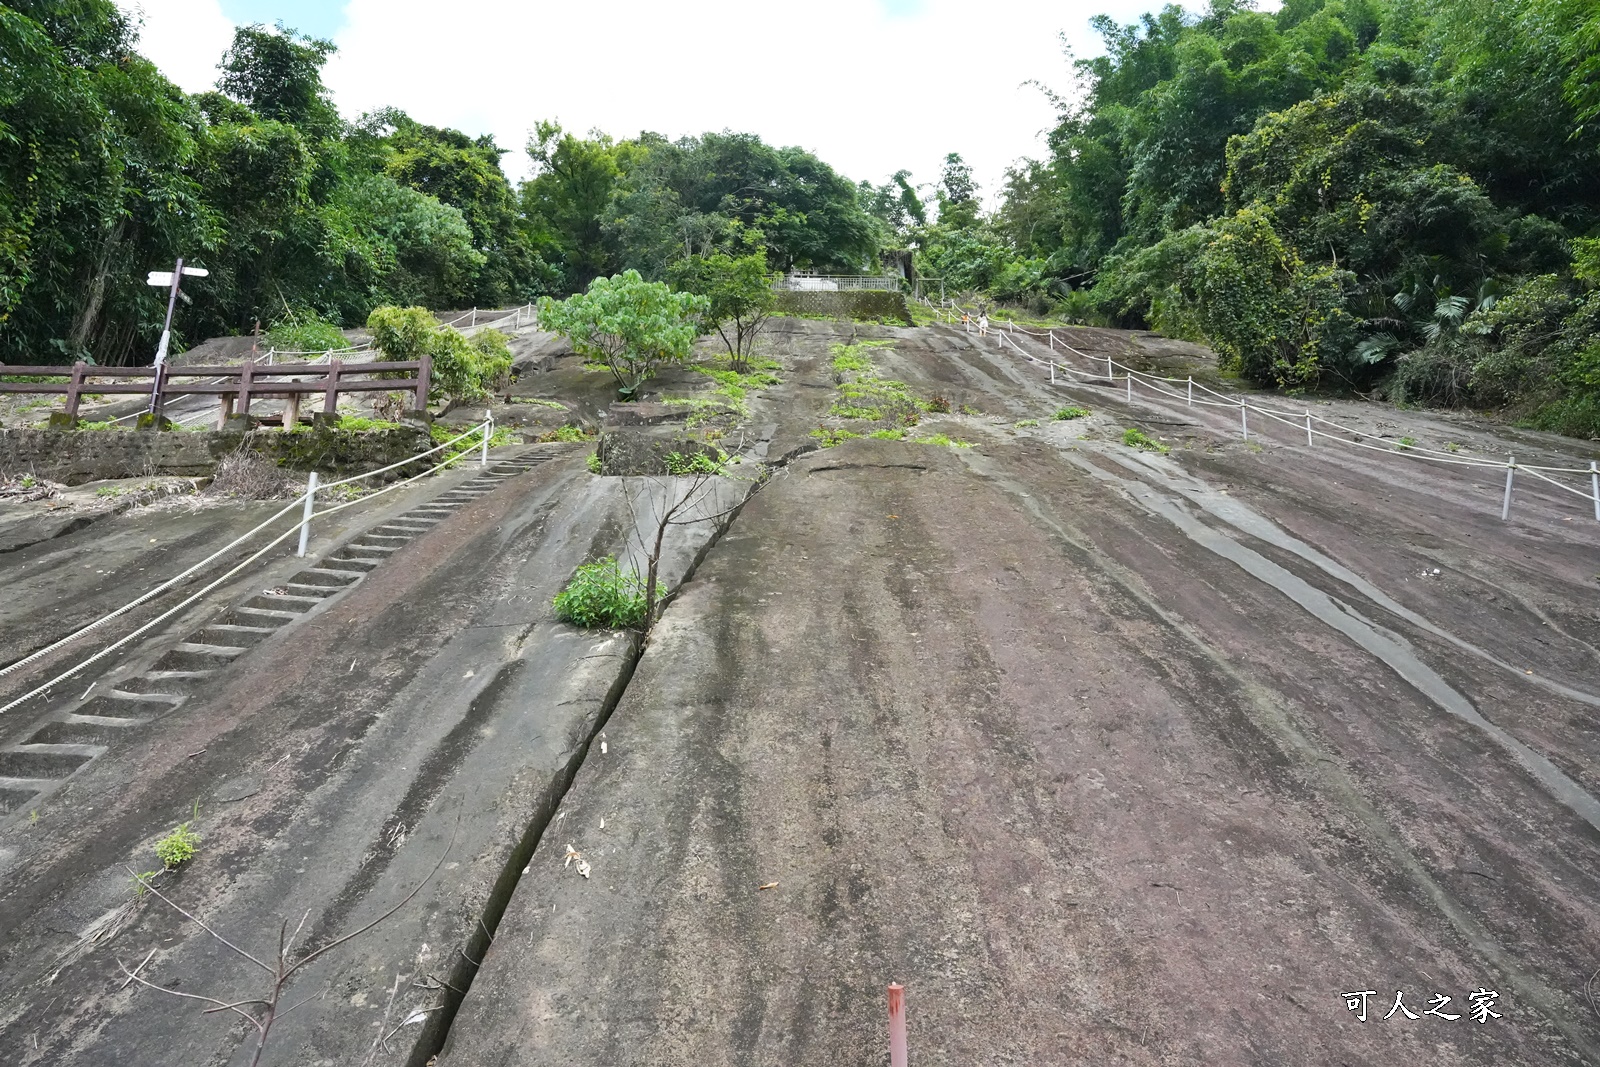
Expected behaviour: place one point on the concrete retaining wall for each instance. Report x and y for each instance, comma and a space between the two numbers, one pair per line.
77, 456
859, 304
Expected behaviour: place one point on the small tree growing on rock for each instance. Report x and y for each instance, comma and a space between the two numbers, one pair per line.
628, 325
463, 368
739, 294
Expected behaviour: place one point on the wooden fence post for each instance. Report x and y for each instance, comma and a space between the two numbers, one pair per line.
330, 399
424, 369
247, 371
74, 390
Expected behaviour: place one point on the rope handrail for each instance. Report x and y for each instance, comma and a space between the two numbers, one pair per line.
485, 428
1303, 420
1144, 376
487, 423
163, 587
1418, 451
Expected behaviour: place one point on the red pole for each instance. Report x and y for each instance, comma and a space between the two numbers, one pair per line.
897, 1025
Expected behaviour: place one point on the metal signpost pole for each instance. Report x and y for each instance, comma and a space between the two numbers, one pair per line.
305, 518
172, 281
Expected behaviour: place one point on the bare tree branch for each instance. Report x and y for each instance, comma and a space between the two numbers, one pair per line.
142, 880
284, 969
192, 996
408, 898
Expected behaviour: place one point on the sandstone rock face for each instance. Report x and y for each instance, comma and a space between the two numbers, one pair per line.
75, 457
630, 452
645, 413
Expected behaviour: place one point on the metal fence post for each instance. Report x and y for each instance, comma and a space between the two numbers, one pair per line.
488, 429
1129, 377
1594, 483
1505, 504
1191, 390
1244, 421
305, 517
897, 1025
1309, 442
1052, 372
1109, 376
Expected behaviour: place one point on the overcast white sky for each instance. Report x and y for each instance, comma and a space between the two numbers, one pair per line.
871, 86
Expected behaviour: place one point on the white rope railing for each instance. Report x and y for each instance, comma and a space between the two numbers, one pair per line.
305, 500
163, 587
1304, 420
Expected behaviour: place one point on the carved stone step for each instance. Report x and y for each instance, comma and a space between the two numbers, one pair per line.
167, 682
235, 634
295, 602
43, 761
84, 730
194, 656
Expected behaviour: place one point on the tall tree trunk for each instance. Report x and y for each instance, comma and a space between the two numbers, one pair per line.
94, 298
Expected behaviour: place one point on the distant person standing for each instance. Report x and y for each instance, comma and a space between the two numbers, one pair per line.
966, 320
983, 324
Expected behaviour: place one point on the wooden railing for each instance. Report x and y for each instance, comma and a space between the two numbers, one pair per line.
236, 387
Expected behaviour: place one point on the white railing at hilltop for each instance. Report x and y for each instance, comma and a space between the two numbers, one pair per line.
830, 283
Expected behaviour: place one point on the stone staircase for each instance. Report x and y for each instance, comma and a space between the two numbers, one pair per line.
68, 740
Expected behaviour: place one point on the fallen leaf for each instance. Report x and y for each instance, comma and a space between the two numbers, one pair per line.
583, 868
774, 885
415, 1017
602, 748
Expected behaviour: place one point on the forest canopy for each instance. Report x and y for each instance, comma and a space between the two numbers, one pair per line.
1397, 197
1359, 194
109, 171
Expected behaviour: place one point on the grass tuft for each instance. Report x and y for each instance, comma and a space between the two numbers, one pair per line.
178, 847
1136, 438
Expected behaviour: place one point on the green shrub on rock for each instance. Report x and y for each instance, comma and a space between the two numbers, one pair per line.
601, 596
463, 368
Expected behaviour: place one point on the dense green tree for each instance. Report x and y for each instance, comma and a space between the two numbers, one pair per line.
895, 204
277, 74
1338, 192
399, 246
957, 193
627, 325
464, 173
94, 187
110, 171
739, 298
574, 179
732, 193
